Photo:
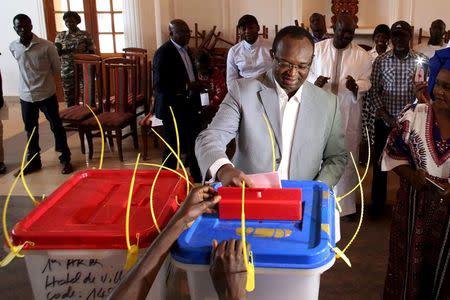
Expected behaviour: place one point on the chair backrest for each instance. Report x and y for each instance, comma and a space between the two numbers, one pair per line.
139, 56
121, 73
88, 68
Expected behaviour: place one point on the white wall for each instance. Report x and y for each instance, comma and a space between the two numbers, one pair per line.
8, 65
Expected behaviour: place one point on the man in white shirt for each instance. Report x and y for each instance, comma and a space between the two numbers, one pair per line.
38, 62
251, 56
436, 41
304, 122
343, 68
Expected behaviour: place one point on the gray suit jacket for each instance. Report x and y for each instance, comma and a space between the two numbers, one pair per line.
318, 150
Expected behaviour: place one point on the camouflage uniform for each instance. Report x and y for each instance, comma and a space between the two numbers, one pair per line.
77, 42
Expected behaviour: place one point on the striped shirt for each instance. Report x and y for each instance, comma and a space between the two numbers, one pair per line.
393, 81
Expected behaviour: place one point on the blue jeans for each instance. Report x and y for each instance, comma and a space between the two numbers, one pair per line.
30, 117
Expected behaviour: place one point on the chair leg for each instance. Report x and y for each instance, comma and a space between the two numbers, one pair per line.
90, 143
134, 132
109, 135
81, 135
144, 140
119, 143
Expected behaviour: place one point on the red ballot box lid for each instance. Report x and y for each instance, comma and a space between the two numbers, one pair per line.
88, 211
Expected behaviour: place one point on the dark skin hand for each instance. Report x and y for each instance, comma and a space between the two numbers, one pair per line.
351, 85
321, 81
420, 89
386, 117
227, 269
231, 176
199, 86
139, 280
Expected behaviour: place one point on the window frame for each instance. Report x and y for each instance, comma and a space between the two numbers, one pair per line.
91, 22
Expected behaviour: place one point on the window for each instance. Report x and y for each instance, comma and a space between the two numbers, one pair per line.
102, 18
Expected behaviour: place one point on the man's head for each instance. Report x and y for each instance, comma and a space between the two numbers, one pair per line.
381, 34
71, 19
203, 61
248, 28
292, 53
344, 31
400, 36
317, 24
179, 32
437, 31
23, 27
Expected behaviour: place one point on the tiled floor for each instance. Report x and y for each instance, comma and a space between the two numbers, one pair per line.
368, 253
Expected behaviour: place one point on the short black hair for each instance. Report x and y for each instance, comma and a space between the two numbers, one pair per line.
440, 22
203, 57
295, 32
381, 28
22, 17
72, 14
247, 19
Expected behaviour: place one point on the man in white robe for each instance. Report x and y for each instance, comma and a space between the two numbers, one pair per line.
343, 68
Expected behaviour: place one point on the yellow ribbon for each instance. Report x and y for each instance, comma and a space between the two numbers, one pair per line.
164, 168
100, 165
249, 266
176, 134
133, 250
22, 176
152, 211
177, 156
272, 141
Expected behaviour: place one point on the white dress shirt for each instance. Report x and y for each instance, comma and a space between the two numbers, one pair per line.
246, 60
186, 60
37, 64
289, 109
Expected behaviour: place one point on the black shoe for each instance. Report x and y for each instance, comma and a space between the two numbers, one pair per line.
30, 169
349, 218
2, 168
67, 168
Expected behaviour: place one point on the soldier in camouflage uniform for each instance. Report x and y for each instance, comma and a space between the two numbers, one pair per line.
68, 43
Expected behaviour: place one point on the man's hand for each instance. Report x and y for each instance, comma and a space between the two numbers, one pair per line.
420, 89
227, 269
199, 86
351, 85
386, 117
231, 176
321, 81
199, 201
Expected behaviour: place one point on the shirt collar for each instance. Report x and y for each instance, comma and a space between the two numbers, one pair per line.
410, 54
252, 46
283, 96
178, 46
34, 40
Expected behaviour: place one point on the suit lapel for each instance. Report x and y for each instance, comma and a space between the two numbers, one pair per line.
180, 62
271, 104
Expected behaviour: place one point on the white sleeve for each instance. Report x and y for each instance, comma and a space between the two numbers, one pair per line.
232, 69
216, 166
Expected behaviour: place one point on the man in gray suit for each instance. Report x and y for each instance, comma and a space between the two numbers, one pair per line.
304, 119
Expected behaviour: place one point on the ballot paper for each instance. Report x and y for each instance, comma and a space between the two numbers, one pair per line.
265, 180
204, 98
4, 112
156, 122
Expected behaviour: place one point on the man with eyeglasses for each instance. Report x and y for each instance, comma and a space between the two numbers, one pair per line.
304, 119
343, 68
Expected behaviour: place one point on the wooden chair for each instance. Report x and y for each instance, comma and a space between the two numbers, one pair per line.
139, 56
447, 36
88, 67
122, 112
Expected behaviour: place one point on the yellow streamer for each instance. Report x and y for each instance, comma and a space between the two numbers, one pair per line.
176, 134
272, 141
132, 249
100, 165
14, 251
339, 198
25, 185
362, 207
178, 157
164, 168
340, 254
152, 211
250, 267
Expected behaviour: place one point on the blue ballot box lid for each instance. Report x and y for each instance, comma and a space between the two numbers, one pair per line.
275, 244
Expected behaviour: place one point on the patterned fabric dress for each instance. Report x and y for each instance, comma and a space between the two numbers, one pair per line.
419, 254
76, 42
217, 93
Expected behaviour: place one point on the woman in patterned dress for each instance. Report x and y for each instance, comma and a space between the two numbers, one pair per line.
68, 43
417, 149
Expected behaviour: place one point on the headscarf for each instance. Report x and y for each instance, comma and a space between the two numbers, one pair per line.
440, 60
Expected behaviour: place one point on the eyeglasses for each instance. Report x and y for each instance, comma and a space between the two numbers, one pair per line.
286, 65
